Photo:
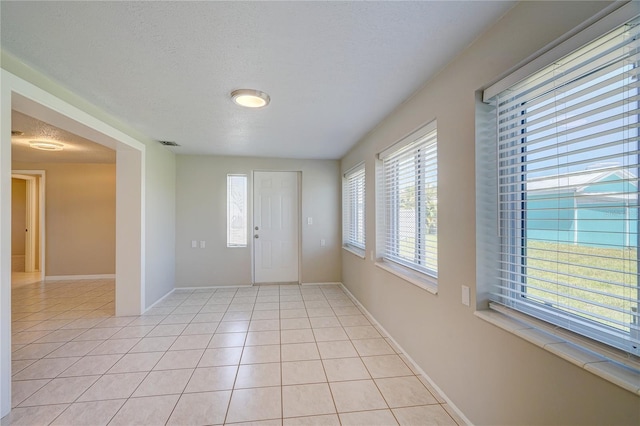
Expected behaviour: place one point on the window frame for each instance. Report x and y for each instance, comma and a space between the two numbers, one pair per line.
351, 222
487, 159
425, 141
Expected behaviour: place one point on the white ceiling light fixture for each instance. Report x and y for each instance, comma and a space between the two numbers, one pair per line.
250, 98
46, 145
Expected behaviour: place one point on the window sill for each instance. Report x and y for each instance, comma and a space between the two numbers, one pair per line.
355, 250
605, 362
423, 281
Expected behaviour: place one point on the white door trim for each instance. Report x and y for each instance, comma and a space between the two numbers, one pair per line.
34, 215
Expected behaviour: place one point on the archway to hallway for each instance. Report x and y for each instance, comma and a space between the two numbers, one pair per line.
16, 94
76, 209
129, 195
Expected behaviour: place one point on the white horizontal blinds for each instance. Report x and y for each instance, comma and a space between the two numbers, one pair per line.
353, 219
411, 199
236, 210
568, 167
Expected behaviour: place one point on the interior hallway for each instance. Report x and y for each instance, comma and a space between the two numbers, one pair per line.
282, 354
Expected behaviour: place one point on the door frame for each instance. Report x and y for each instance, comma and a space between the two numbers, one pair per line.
253, 223
34, 188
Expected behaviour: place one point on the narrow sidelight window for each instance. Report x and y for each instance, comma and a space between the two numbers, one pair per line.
236, 210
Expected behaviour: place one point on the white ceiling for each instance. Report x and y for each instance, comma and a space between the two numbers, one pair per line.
333, 69
76, 149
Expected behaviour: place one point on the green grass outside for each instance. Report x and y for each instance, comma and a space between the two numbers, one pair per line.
584, 269
407, 249
591, 270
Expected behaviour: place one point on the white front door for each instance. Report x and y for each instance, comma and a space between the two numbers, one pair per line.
276, 225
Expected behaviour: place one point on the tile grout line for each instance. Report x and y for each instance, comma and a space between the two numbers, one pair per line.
332, 305
224, 421
281, 366
69, 404
333, 399
142, 381
192, 373
367, 315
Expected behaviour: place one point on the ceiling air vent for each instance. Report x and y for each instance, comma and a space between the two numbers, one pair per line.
169, 143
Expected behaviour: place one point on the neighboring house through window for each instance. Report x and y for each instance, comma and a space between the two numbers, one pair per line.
567, 156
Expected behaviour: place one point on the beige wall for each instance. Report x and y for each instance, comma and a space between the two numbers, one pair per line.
493, 376
18, 212
160, 223
201, 215
79, 218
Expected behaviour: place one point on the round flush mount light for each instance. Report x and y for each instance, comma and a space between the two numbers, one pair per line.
250, 98
46, 145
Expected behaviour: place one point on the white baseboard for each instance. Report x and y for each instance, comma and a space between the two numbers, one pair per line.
214, 287
327, 283
79, 277
159, 300
417, 367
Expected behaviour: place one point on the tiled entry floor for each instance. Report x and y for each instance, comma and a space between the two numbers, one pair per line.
271, 355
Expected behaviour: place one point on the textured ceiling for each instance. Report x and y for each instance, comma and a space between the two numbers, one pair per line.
76, 149
333, 69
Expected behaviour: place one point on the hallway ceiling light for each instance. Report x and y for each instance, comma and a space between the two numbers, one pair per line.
46, 146
250, 98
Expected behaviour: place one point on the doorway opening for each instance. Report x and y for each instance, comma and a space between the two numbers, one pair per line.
27, 226
19, 95
80, 202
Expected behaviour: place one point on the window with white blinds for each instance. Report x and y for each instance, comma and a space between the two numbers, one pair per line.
410, 202
568, 162
353, 208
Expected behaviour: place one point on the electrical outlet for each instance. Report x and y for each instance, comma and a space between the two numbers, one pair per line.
309, 221
466, 296
322, 242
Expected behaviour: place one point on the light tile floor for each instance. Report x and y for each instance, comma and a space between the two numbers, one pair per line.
270, 355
